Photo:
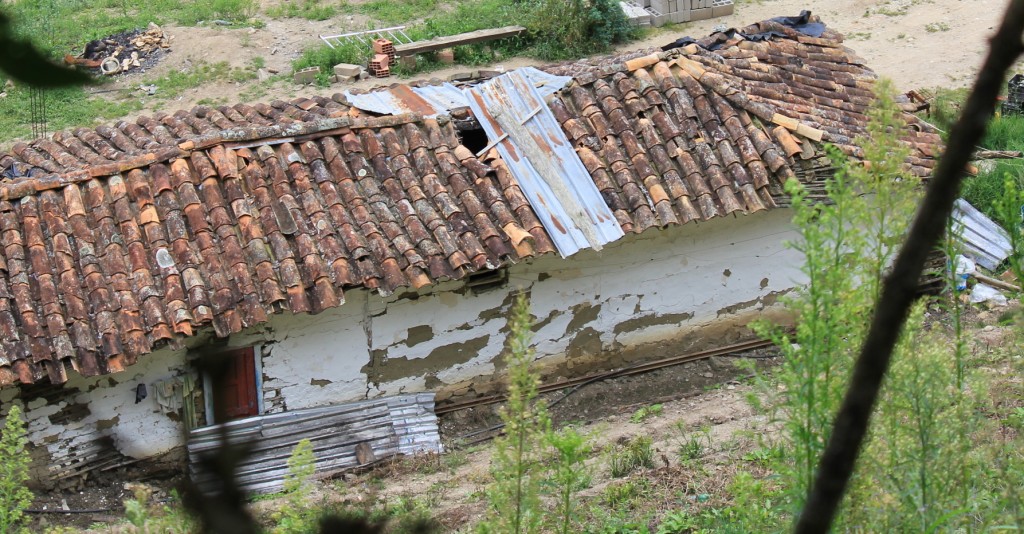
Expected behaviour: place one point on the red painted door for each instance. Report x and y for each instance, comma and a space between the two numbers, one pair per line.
235, 395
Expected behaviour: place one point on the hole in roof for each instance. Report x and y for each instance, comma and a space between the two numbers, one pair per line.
475, 139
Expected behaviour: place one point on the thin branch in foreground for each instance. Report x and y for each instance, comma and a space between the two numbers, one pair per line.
899, 288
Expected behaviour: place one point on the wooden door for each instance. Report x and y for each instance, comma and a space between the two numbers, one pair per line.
235, 390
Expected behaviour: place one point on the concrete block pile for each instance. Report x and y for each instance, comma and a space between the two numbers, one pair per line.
660, 12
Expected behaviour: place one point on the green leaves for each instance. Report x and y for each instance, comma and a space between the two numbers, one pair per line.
14, 464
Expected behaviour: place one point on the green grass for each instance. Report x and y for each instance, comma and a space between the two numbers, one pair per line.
306, 9
397, 12
1005, 132
66, 108
65, 26
75, 106
543, 39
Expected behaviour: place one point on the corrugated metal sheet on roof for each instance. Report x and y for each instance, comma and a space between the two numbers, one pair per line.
402, 425
396, 100
531, 142
433, 100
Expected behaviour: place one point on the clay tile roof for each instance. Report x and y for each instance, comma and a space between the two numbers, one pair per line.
120, 239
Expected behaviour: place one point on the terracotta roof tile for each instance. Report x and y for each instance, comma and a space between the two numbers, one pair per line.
119, 239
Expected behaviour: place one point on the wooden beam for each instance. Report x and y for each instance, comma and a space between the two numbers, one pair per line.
440, 43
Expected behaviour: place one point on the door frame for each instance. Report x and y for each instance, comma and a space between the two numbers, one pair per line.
208, 393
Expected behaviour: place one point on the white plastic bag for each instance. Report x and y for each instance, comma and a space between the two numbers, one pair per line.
964, 267
987, 293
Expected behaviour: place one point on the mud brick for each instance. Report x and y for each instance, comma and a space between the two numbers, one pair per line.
408, 62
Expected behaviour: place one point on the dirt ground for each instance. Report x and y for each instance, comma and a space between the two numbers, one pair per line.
916, 43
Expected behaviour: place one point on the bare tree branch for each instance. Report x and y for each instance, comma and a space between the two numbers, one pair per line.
899, 288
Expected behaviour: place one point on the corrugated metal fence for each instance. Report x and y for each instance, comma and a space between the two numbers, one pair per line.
389, 426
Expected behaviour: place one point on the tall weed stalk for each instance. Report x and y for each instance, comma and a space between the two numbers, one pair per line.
847, 242
514, 496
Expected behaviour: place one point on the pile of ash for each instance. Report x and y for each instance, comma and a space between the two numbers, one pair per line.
124, 52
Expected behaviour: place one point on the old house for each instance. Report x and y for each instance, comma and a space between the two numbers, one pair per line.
367, 245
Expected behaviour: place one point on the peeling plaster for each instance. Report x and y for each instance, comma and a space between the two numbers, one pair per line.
636, 298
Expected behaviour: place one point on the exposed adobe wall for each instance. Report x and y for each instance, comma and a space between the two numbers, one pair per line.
644, 297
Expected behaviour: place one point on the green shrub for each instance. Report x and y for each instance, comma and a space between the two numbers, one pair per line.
576, 28
14, 464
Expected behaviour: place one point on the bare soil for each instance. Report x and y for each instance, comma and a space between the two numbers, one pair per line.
916, 43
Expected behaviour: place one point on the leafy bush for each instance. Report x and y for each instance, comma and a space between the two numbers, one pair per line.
14, 464
575, 28
298, 516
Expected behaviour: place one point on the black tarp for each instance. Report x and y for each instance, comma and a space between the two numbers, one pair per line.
801, 23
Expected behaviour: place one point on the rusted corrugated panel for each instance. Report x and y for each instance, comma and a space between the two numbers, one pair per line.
444, 96
396, 100
397, 425
531, 142
981, 238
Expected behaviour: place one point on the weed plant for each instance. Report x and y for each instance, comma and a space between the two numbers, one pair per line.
636, 454
14, 464
568, 475
514, 504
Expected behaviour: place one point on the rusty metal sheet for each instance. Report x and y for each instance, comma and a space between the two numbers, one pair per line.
386, 427
561, 191
429, 101
443, 96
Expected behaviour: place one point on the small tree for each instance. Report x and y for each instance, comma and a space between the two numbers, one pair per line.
514, 496
14, 463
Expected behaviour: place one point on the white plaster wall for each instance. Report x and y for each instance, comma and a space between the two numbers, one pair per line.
136, 430
312, 360
640, 290
682, 277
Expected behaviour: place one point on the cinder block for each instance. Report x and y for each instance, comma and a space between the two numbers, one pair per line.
668, 7
659, 19
700, 14
347, 69
722, 11
683, 15
446, 56
307, 75
461, 76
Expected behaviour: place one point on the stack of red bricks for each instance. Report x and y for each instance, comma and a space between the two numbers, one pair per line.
380, 66
384, 58
386, 47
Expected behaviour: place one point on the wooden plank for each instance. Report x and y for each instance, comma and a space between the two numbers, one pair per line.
440, 43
